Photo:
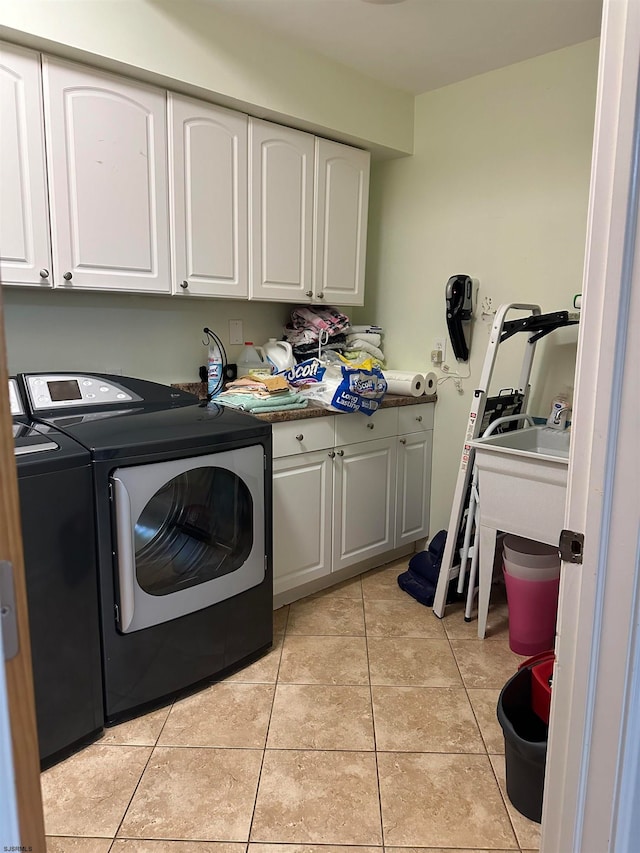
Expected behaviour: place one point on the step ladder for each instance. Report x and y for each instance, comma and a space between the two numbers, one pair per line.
485, 410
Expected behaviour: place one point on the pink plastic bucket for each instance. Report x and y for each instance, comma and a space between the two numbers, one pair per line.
533, 607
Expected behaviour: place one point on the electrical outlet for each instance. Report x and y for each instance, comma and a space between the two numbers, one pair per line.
236, 335
438, 353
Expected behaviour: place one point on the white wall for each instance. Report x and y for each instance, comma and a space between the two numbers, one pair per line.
157, 338
497, 189
194, 48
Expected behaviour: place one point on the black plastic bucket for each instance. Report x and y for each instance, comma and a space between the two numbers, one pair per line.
525, 745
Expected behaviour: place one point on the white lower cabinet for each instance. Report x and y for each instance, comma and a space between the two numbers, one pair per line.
348, 489
414, 487
302, 502
363, 501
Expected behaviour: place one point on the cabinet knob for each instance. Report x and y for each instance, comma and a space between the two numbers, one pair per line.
44, 273
403, 441
339, 452
67, 276
299, 436
419, 418
331, 454
321, 295
370, 426
184, 285
309, 293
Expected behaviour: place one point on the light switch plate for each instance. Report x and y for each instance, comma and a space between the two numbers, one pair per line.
236, 335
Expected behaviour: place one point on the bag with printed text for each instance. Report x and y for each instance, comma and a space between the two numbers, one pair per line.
339, 387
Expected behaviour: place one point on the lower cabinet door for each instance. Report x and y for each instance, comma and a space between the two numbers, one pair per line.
363, 501
301, 518
414, 487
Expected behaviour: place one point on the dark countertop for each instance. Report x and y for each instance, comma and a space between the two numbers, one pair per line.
390, 401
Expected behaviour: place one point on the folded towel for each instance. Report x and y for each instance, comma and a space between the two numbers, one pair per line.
284, 407
370, 337
251, 403
363, 346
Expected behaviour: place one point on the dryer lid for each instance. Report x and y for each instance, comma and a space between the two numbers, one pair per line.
28, 440
140, 432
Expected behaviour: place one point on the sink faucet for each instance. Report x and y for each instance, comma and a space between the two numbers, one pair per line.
557, 419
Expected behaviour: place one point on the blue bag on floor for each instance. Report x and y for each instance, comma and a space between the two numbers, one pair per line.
421, 578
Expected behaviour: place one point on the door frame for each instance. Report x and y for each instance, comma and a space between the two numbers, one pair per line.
19, 756
595, 728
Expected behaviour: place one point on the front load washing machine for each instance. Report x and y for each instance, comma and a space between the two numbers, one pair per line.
183, 522
55, 489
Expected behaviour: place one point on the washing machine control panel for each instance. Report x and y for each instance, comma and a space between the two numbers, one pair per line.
63, 391
14, 399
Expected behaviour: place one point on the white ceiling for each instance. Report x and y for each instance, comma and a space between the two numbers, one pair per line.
419, 45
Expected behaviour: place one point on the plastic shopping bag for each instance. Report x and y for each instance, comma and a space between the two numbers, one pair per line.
338, 386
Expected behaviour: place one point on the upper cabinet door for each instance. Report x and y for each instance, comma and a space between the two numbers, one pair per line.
281, 181
340, 217
106, 149
25, 253
208, 191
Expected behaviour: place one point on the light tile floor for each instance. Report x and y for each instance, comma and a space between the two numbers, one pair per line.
370, 723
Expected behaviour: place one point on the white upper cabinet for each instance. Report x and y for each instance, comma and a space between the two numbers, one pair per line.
25, 252
340, 220
281, 210
106, 149
208, 199
136, 193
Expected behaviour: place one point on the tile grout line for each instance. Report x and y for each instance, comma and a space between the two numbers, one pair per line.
466, 689
373, 719
266, 734
153, 748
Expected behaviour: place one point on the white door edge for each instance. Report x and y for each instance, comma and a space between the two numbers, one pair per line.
8, 800
586, 786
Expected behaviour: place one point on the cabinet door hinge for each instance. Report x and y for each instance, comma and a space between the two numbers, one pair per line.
571, 546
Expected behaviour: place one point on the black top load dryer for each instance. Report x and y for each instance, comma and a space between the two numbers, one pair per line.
183, 520
55, 487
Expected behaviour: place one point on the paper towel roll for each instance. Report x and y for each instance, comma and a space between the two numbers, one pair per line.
430, 383
404, 384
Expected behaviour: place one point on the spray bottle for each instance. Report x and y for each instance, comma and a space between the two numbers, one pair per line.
216, 360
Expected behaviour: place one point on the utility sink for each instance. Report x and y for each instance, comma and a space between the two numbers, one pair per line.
537, 442
523, 481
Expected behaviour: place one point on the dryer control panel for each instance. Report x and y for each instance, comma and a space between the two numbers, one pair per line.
61, 391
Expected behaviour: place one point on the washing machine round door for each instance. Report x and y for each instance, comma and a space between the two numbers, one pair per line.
197, 527
189, 533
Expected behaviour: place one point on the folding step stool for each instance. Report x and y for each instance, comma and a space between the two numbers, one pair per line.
481, 415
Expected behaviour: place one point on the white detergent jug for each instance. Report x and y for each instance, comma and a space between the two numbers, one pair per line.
280, 354
251, 359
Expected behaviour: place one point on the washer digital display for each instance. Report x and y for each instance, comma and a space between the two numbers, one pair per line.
67, 389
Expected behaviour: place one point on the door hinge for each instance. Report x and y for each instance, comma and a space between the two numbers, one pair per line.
8, 616
571, 546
